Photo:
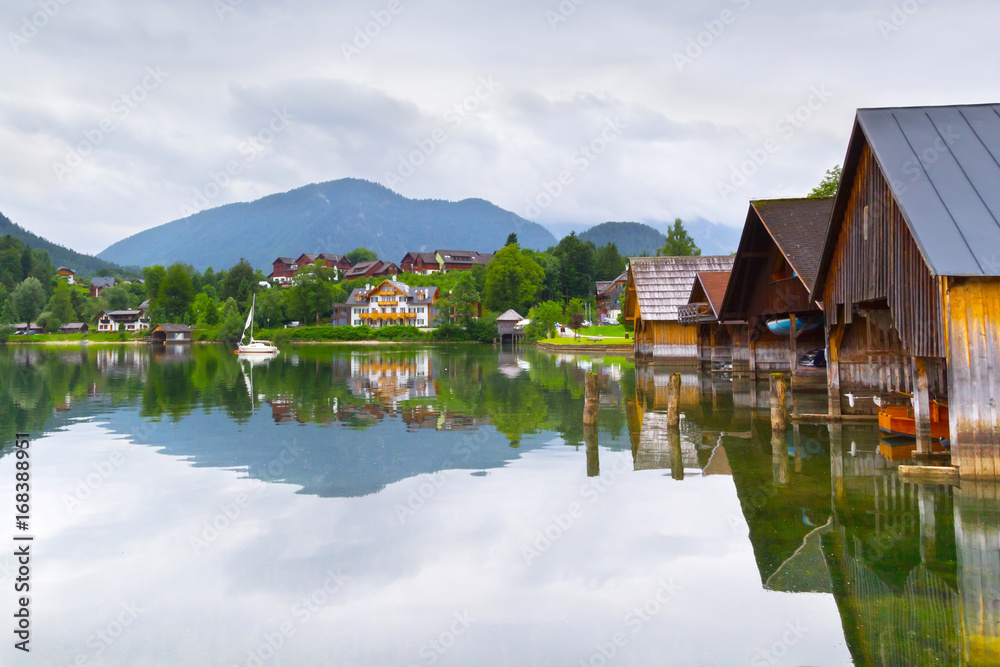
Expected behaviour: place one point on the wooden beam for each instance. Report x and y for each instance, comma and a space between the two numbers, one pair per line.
834, 338
922, 405
791, 346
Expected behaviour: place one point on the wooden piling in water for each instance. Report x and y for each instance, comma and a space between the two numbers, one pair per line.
592, 393
673, 401
676, 453
593, 458
922, 405
779, 415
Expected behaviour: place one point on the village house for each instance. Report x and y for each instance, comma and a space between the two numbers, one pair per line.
910, 275
99, 284
610, 295
75, 327
657, 289
426, 263
769, 289
67, 273
393, 303
374, 269
25, 329
283, 269
122, 320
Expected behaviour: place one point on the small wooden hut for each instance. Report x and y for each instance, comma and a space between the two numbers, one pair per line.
507, 327
773, 275
170, 333
657, 289
910, 271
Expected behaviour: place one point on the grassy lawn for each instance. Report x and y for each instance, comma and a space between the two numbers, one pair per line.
586, 341
615, 331
93, 337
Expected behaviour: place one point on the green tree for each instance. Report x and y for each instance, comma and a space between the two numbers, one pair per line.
61, 304
240, 284
608, 264
576, 266
28, 299
511, 239
271, 307
679, 242
176, 293
512, 280
544, 318
465, 297
206, 308
117, 297
361, 255
153, 275
828, 186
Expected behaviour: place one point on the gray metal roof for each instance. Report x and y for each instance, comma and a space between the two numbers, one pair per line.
510, 316
663, 284
943, 166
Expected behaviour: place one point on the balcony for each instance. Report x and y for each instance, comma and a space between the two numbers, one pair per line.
694, 313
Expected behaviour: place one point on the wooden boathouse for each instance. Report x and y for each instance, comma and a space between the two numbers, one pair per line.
910, 273
715, 338
773, 275
657, 288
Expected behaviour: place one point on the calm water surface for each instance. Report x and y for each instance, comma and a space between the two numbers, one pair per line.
442, 506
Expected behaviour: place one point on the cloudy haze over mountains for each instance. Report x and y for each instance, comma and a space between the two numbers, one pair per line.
118, 116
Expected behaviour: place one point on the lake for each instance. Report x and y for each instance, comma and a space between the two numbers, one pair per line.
412, 505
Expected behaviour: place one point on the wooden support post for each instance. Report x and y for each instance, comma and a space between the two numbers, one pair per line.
592, 392
837, 461
779, 417
792, 358
673, 401
922, 405
928, 527
834, 338
779, 458
593, 456
676, 454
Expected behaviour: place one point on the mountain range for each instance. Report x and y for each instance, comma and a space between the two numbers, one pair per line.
85, 265
333, 217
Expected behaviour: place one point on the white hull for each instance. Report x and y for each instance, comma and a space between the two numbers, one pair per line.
257, 347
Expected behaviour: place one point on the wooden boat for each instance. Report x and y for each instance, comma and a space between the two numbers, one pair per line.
901, 447
782, 326
252, 346
897, 418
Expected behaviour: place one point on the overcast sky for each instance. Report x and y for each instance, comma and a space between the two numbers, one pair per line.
118, 116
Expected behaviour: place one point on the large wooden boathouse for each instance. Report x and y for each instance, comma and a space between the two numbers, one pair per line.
657, 289
910, 273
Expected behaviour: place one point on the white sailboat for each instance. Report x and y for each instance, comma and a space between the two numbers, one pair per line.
254, 346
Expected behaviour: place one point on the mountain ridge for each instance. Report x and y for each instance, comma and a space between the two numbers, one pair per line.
81, 263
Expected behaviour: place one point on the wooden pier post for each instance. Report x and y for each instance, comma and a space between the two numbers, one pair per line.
676, 453
834, 338
673, 401
779, 416
922, 405
591, 395
593, 457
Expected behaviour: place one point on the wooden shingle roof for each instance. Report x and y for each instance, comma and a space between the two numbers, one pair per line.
798, 227
713, 284
663, 284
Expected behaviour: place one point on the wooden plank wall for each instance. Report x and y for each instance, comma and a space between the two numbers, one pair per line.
877, 259
974, 379
977, 541
667, 340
